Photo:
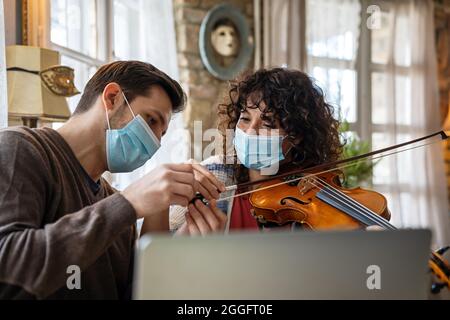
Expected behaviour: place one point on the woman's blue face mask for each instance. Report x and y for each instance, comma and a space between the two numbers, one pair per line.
129, 148
258, 152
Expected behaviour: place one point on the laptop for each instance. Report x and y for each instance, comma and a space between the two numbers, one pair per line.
285, 266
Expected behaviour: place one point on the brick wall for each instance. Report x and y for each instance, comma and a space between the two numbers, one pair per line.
204, 91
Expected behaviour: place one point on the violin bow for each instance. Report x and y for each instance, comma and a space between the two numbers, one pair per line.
334, 165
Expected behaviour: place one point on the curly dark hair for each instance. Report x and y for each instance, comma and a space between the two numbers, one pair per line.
292, 99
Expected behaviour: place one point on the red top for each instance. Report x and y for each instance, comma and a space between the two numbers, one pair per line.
241, 218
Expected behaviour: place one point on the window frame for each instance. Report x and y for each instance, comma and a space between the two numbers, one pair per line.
105, 28
342, 64
366, 68
105, 38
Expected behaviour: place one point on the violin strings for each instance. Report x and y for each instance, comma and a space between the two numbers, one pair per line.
366, 211
316, 174
338, 195
358, 211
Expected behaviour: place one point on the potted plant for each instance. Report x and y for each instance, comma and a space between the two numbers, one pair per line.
360, 173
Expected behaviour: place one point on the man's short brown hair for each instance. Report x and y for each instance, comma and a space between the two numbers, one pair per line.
136, 79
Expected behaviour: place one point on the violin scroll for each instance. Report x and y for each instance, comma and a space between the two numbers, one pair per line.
441, 269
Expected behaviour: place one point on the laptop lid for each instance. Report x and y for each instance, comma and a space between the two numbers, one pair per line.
292, 266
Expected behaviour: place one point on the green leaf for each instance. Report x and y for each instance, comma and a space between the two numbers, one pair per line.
362, 171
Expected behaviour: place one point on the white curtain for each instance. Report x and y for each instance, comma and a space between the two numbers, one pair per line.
333, 28
283, 33
156, 45
417, 188
332, 37
3, 86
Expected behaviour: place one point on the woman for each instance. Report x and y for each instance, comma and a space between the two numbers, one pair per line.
281, 110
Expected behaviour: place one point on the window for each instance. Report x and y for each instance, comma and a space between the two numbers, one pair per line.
90, 33
75, 26
350, 61
383, 114
332, 52
78, 30
127, 23
371, 72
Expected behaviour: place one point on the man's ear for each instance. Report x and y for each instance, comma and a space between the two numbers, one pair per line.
111, 96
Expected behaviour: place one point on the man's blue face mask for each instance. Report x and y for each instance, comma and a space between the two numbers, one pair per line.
258, 152
129, 148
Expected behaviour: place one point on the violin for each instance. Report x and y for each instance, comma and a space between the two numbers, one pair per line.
314, 199
318, 202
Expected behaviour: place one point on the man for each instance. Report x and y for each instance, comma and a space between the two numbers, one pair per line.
57, 215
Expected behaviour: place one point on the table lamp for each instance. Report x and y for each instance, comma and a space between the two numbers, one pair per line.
38, 86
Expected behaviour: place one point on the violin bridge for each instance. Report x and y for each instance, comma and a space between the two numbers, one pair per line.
305, 185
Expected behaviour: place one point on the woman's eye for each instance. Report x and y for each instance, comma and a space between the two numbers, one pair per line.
244, 119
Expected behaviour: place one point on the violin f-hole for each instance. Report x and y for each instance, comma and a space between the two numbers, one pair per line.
284, 201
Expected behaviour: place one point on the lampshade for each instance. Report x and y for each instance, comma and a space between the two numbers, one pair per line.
29, 97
